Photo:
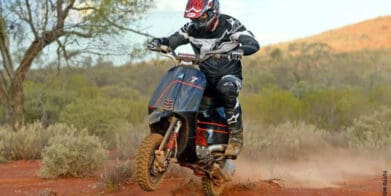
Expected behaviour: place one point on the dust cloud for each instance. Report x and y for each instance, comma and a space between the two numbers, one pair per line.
328, 169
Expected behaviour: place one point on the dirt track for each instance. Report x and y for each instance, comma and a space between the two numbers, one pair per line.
20, 178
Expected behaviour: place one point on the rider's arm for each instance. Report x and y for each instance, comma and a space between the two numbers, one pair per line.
248, 44
180, 37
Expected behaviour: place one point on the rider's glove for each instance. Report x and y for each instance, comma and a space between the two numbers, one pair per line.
235, 55
158, 44
154, 43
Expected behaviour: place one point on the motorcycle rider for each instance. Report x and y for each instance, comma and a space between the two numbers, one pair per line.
211, 32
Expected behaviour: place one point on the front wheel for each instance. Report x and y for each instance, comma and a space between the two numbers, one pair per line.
148, 177
210, 188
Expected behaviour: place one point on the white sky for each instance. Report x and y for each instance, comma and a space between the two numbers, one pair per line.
274, 20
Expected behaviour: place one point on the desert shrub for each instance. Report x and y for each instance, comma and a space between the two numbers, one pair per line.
371, 132
24, 144
28, 142
326, 108
2, 158
278, 106
250, 107
118, 174
301, 89
284, 141
128, 138
333, 109
380, 95
283, 74
120, 92
74, 153
99, 116
257, 79
137, 111
102, 116
2, 115
47, 106
45, 100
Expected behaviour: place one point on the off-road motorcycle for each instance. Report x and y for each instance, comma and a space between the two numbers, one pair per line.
185, 128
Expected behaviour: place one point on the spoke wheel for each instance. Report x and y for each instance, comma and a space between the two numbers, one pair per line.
148, 177
210, 188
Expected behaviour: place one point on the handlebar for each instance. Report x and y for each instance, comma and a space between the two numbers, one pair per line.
196, 59
183, 58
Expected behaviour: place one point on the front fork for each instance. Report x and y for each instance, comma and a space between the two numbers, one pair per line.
169, 143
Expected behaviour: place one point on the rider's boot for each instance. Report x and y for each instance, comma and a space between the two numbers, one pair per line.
235, 130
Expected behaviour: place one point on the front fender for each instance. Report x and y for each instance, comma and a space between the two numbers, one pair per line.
156, 116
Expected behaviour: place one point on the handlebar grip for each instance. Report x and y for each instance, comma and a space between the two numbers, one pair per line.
153, 49
160, 48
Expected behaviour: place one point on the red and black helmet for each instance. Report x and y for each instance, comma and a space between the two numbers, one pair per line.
203, 13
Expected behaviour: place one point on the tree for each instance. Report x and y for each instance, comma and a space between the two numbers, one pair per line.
71, 27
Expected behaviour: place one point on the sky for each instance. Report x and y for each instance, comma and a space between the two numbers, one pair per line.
273, 21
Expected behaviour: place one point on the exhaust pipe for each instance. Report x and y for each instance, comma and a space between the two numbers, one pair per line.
204, 152
217, 148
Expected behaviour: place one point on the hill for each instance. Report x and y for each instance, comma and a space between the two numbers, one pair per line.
370, 34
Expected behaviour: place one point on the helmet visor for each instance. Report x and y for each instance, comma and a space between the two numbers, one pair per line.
204, 19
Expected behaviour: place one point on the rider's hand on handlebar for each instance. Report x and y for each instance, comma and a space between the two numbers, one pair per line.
154, 44
235, 55
157, 44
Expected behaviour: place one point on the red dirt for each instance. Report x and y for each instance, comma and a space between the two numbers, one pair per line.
20, 178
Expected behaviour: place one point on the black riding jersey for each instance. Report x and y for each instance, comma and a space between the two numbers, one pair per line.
229, 34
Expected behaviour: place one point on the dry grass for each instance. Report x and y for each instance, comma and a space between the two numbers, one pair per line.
118, 174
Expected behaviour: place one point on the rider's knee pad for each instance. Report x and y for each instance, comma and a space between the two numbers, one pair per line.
228, 89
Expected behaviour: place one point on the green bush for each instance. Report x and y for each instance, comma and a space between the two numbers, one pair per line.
371, 132
380, 95
327, 108
120, 92
257, 79
102, 116
94, 114
44, 103
2, 115
333, 109
278, 106
75, 153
